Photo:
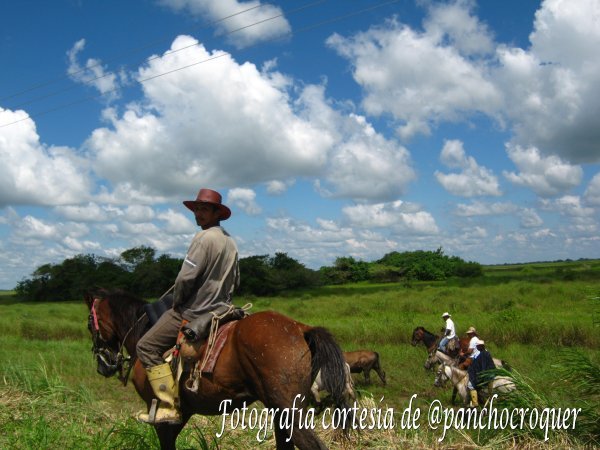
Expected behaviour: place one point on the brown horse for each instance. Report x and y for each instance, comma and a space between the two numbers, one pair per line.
431, 341
364, 361
268, 357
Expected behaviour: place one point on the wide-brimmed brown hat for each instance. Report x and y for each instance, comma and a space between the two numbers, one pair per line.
212, 197
471, 330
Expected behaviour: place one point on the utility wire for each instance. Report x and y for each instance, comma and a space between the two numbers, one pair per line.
129, 52
167, 53
300, 30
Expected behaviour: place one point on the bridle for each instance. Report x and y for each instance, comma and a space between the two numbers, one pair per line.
431, 360
111, 358
442, 377
417, 336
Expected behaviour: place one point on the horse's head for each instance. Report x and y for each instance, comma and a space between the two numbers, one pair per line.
431, 361
417, 335
442, 376
105, 343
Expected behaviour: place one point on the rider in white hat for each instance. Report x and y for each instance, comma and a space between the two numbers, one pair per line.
471, 352
449, 332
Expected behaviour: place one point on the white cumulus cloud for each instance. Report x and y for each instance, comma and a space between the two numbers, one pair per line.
93, 73
545, 175
244, 199
393, 64
547, 95
552, 89
398, 216
473, 180
592, 193
190, 131
32, 173
243, 23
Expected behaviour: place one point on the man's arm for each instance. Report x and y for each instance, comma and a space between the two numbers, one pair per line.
191, 270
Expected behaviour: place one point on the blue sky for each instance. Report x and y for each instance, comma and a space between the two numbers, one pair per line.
332, 128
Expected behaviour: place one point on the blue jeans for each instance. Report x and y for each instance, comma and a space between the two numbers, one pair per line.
443, 343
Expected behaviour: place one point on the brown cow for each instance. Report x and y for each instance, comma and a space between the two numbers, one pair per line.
363, 361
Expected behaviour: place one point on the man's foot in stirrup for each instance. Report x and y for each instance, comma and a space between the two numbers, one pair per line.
159, 415
163, 384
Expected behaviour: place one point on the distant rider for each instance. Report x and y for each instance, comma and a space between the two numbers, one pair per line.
471, 353
482, 362
449, 332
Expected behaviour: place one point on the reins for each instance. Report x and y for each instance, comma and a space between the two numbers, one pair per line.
128, 359
429, 339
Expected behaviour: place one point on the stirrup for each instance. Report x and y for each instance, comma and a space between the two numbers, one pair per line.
150, 416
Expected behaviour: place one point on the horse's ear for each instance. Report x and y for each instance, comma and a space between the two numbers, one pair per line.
89, 299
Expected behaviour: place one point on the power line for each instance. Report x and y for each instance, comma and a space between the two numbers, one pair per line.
300, 30
167, 53
131, 51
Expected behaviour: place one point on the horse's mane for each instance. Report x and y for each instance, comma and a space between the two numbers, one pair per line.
125, 306
426, 331
456, 369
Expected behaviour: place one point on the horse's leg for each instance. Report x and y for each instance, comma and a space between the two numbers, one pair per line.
167, 433
380, 372
454, 392
303, 437
140, 382
367, 372
281, 437
306, 439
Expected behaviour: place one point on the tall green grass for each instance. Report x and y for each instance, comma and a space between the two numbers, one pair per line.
52, 397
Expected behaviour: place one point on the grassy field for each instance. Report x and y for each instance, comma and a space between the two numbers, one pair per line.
533, 316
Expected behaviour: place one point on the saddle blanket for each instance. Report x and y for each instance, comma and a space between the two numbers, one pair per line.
222, 335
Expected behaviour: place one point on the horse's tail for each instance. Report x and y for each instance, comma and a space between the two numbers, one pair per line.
327, 356
376, 364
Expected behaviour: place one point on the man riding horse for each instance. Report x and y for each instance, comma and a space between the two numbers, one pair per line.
449, 332
478, 371
467, 356
208, 276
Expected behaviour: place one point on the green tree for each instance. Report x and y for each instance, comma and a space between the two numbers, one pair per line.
255, 276
136, 256
265, 275
346, 269
136, 270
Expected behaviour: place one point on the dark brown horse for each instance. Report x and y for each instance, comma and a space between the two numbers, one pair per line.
431, 341
267, 357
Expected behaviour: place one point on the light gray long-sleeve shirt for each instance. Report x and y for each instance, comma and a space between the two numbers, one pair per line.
209, 273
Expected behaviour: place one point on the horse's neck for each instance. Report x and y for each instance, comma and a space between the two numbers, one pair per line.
130, 333
429, 339
444, 358
458, 376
